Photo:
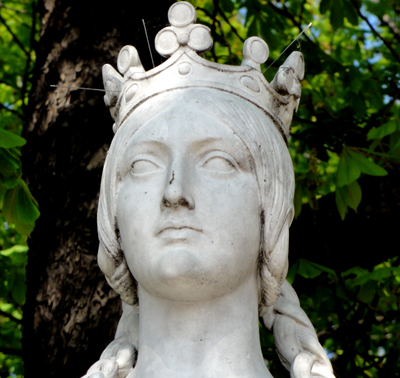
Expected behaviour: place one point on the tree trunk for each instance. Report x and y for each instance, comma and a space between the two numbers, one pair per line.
71, 313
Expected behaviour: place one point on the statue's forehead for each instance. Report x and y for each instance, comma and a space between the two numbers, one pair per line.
183, 124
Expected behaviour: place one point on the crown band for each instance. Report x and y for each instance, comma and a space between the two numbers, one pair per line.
182, 42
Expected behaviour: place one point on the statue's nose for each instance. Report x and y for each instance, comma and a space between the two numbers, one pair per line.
177, 189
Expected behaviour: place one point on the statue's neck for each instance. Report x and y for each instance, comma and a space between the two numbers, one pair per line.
216, 338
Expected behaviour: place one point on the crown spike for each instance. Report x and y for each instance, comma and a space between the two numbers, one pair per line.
128, 61
255, 53
112, 81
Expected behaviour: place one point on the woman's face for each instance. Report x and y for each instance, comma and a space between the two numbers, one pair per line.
188, 208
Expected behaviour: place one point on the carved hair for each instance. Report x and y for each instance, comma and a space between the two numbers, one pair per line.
272, 165
295, 338
296, 341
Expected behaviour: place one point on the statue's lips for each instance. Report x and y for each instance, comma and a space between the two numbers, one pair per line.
177, 231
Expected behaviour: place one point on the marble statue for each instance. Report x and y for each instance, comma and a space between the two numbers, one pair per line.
194, 213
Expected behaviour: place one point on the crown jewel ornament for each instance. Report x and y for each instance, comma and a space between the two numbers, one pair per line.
181, 43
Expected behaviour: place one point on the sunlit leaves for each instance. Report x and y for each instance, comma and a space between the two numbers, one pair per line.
352, 164
325, 6
9, 163
16, 278
18, 209
10, 140
337, 14
381, 131
227, 6
339, 9
348, 196
348, 169
367, 313
307, 269
13, 259
16, 202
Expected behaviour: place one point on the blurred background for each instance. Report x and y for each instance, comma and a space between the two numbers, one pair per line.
57, 312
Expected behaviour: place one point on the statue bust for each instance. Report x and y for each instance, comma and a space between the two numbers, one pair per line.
194, 213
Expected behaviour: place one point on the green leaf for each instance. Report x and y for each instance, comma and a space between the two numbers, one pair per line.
365, 165
10, 200
324, 6
18, 288
348, 195
362, 279
10, 140
366, 293
358, 105
350, 13
308, 269
292, 272
254, 27
341, 203
27, 211
357, 270
348, 169
379, 275
3, 192
9, 164
20, 208
337, 15
28, 192
340, 293
356, 85
14, 249
380, 132
372, 93
382, 274
227, 5
298, 199
10, 182
353, 195
395, 140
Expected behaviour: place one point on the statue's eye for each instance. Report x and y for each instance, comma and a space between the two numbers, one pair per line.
142, 167
219, 164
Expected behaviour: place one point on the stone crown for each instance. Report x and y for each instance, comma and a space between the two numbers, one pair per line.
181, 43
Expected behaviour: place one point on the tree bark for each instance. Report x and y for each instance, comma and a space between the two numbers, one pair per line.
71, 313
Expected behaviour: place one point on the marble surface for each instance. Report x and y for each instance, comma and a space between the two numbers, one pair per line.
194, 213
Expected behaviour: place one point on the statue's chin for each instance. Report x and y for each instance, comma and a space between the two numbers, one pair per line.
181, 275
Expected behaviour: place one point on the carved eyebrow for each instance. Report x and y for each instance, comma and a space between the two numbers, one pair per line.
152, 142
146, 146
133, 148
237, 149
152, 145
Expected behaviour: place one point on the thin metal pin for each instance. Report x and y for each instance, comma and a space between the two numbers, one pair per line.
291, 43
85, 89
148, 43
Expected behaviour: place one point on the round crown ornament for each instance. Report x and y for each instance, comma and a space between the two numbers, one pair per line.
181, 43
183, 31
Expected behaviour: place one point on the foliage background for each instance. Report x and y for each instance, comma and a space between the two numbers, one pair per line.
345, 146
19, 209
